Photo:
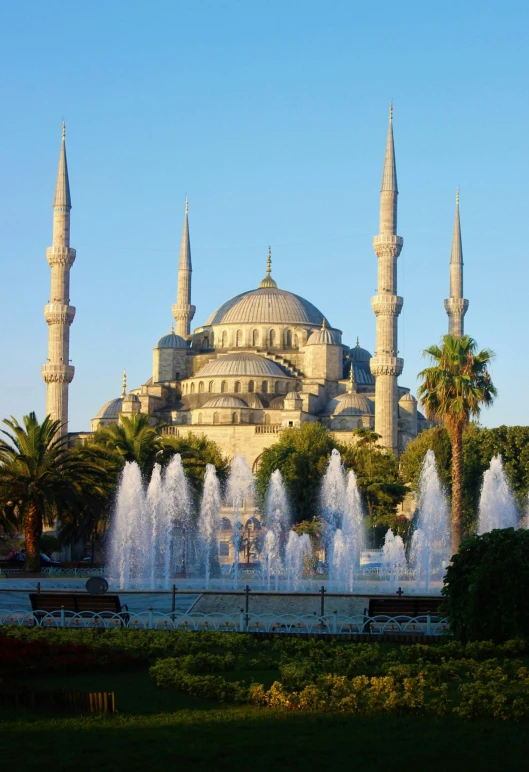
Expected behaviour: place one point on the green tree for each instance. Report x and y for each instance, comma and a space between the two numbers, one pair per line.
132, 439
40, 478
301, 455
453, 390
196, 451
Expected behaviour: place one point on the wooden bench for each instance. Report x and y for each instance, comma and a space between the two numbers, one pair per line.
77, 603
407, 606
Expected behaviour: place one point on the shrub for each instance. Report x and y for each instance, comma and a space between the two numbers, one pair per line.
486, 589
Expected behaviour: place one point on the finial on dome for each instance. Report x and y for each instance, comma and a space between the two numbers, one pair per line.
63, 130
171, 331
357, 342
268, 281
124, 384
324, 324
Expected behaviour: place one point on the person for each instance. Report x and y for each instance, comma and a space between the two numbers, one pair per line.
12, 555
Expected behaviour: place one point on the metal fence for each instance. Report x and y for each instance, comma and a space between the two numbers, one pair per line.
333, 624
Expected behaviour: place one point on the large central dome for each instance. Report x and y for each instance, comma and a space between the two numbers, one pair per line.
267, 305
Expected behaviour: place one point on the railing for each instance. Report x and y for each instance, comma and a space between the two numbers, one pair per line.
268, 429
290, 624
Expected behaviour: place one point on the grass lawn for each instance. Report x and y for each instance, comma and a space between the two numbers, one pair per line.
155, 728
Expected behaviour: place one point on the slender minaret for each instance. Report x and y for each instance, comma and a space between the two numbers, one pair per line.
183, 311
385, 365
59, 314
456, 305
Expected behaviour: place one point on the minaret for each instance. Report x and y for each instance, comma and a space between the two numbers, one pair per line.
387, 305
183, 311
456, 306
59, 314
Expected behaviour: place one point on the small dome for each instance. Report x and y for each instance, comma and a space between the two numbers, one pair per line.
130, 398
408, 398
172, 340
225, 401
292, 395
358, 354
110, 409
350, 403
325, 337
241, 364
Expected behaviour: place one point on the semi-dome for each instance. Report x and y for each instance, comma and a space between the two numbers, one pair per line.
110, 409
408, 398
241, 364
359, 354
292, 395
325, 337
266, 305
225, 401
172, 340
350, 403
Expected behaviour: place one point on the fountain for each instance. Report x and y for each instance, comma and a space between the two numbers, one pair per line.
209, 522
332, 505
277, 520
496, 504
393, 559
297, 550
430, 544
239, 492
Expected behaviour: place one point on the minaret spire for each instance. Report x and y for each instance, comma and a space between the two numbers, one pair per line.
59, 314
183, 311
456, 305
386, 304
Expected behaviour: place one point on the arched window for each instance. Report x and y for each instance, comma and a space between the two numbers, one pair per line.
205, 342
200, 418
276, 387
223, 387
177, 376
192, 388
237, 387
298, 386
288, 338
215, 418
184, 419
296, 341
201, 387
238, 339
225, 524
267, 420
264, 388
272, 338
212, 339
251, 418
251, 386
255, 337
224, 339
234, 418
211, 386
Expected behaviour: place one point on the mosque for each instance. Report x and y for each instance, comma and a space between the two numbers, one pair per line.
264, 360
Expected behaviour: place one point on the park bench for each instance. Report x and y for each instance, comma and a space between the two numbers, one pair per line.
77, 603
404, 606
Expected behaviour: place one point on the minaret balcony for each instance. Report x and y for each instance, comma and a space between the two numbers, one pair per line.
456, 306
63, 256
387, 305
386, 365
57, 373
387, 245
59, 313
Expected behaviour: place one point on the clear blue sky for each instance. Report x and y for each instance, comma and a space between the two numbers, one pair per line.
272, 118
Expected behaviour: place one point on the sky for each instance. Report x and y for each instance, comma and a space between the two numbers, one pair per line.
272, 118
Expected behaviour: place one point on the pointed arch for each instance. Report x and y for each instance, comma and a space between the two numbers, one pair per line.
215, 418
255, 338
224, 387
239, 339
251, 386
201, 387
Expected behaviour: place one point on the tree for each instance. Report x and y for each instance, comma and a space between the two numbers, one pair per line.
486, 588
453, 390
301, 455
40, 478
133, 439
196, 452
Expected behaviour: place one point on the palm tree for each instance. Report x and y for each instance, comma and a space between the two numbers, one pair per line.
133, 439
40, 478
453, 391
